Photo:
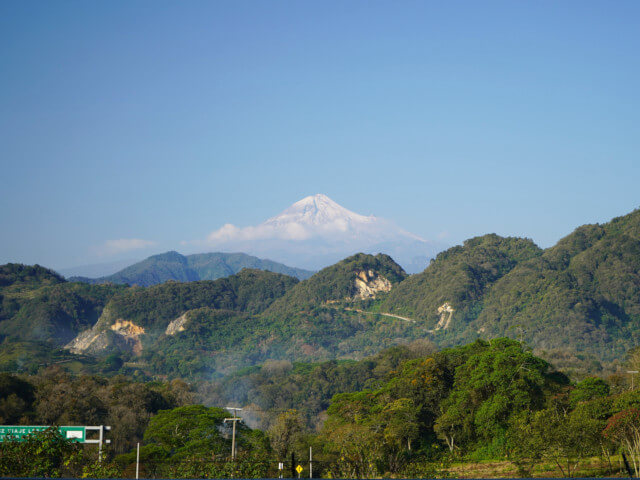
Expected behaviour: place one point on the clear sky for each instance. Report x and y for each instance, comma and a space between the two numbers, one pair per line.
129, 127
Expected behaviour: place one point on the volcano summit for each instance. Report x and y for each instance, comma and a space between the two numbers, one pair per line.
316, 231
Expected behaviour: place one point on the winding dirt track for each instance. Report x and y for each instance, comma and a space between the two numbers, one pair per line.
380, 313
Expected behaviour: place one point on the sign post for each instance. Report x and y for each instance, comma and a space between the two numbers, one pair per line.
19, 433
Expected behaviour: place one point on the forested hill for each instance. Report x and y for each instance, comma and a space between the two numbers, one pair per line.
581, 295
459, 276
577, 302
356, 276
203, 266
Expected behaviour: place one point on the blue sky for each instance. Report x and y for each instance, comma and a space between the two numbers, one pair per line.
161, 121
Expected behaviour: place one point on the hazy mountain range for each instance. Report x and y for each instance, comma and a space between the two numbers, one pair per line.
204, 266
577, 303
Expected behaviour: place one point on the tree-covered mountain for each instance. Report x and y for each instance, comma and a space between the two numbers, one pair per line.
459, 276
199, 329
581, 295
360, 275
36, 304
202, 266
577, 303
134, 320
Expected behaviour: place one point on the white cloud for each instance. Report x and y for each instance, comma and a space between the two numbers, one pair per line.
231, 233
121, 245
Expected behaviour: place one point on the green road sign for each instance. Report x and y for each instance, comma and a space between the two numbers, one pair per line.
19, 432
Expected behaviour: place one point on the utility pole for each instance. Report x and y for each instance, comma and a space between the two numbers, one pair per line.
310, 462
138, 462
233, 435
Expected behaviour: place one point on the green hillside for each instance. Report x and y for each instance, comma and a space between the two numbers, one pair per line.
36, 304
576, 303
228, 324
582, 294
251, 291
460, 276
336, 283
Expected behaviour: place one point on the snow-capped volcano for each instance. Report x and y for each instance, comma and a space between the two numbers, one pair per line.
320, 211
316, 231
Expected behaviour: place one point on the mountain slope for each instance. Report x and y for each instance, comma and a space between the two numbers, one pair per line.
204, 266
36, 304
459, 279
579, 301
360, 275
220, 336
138, 316
583, 293
211, 266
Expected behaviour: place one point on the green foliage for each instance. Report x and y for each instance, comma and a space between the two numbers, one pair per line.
250, 290
194, 442
581, 294
285, 432
588, 389
490, 388
19, 275
335, 283
189, 430
468, 398
277, 386
52, 313
41, 454
460, 276
16, 399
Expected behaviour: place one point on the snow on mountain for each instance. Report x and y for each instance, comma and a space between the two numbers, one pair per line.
316, 231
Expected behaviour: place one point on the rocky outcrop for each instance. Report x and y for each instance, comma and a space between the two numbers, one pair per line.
123, 334
445, 311
177, 325
369, 283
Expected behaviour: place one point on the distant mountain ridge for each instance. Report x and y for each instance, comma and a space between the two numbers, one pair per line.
189, 268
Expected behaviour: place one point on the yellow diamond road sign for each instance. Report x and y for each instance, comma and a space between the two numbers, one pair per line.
299, 469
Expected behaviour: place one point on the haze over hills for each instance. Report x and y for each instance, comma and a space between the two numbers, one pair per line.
203, 266
96, 270
316, 231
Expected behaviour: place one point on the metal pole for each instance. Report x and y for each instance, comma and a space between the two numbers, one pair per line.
310, 462
138, 462
100, 443
233, 439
